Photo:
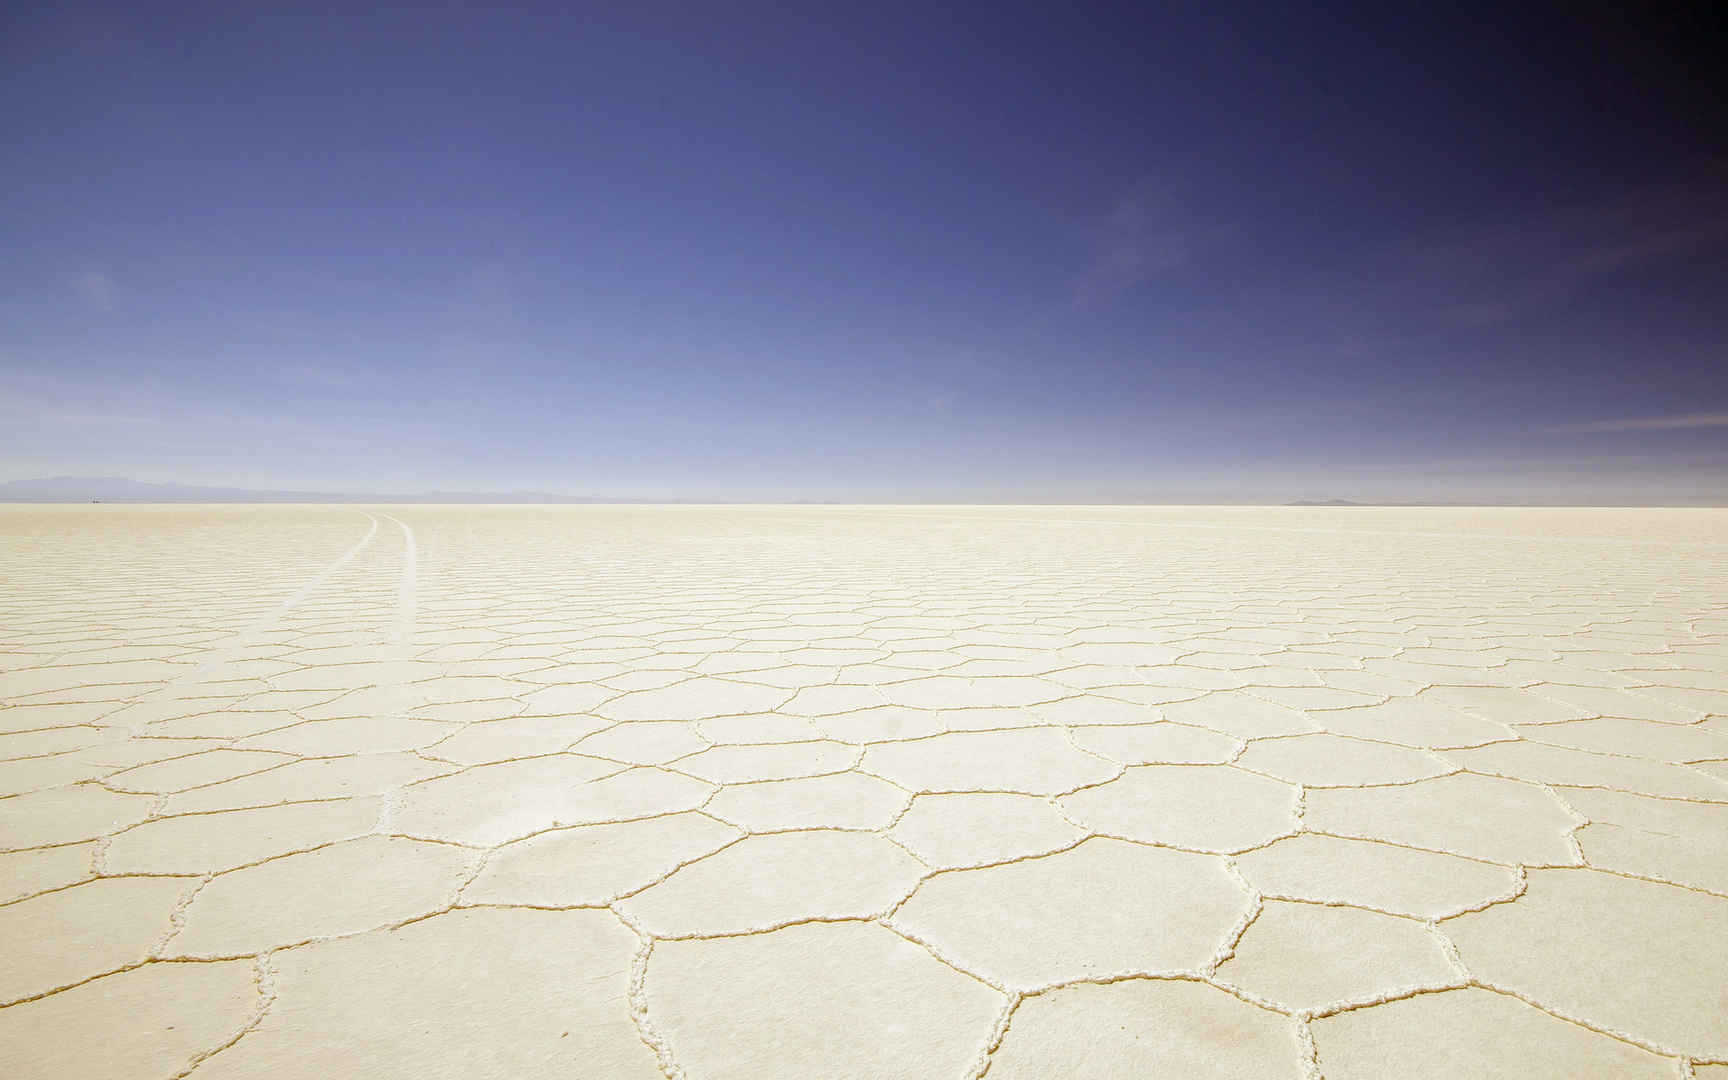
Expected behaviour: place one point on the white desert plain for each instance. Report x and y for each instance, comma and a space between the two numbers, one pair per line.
754, 792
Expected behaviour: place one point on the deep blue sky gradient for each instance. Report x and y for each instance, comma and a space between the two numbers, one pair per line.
878, 251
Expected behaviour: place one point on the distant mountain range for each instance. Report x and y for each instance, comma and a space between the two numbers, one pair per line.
59, 489
84, 489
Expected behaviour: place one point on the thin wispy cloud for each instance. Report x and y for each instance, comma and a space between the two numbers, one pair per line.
96, 290
1485, 464
1142, 236
1677, 422
1497, 273
1473, 280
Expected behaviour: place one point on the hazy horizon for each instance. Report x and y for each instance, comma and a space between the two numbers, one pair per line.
77, 489
983, 254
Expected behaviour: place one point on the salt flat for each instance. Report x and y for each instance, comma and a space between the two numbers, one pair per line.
410, 791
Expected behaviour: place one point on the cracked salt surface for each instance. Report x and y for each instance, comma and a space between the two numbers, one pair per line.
862, 792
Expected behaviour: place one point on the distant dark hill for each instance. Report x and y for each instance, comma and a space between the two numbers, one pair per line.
1323, 502
60, 489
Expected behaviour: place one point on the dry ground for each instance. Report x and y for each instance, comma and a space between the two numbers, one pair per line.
750, 792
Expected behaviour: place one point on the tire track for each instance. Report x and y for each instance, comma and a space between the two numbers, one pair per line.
237, 642
407, 586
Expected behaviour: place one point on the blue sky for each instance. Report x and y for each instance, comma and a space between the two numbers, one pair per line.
817, 251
